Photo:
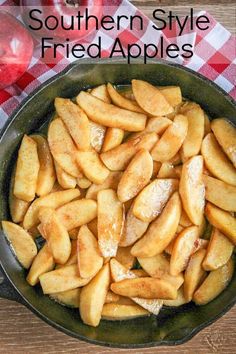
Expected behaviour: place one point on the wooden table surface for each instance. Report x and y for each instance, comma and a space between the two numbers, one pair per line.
23, 332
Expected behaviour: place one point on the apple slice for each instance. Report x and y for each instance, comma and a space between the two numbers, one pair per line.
161, 231
121, 101
118, 312
179, 301
216, 161
111, 297
154, 125
65, 180
69, 298
192, 190
113, 138
42, 263
97, 135
124, 256
110, 182
101, 93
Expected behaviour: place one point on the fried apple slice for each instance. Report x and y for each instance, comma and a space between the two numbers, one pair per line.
97, 135
161, 231
150, 99
118, 312
225, 134
110, 115
93, 296
83, 182
118, 158
90, 260
46, 174
222, 220
75, 120
192, 190
134, 228
52, 200
110, 182
113, 138
136, 176
124, 256
184, 220
62, 279
101, 93
172, 139
77, 213
152, 199
22, 243
147, 288
93, 227
193, 140
56, 235
214, 284
42, 263
179, 301
73, 254
18, 207
119, 272
91, 165
194, 274
27, 169
219, 251
111, 297
220, 193
182, 249
110, 222
121, 101
172, 94
216, 161
167, 170
154, 125
69, 298
158, 266
65, 180
62, 147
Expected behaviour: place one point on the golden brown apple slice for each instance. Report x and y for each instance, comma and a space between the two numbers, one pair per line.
69, 298
101, 93
121, 101
110, 182
161, 231
73, 254
93, 296
225, 134
172, 139
18, 207
154, 125
124, 256
216, 161
214, 284
118, 312
172, 94
111, 297
179, 301
65, 180
113, 138
192, 190
136, 176
42, 263
97, 135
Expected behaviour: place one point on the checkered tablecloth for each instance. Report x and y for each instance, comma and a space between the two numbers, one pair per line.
214, 54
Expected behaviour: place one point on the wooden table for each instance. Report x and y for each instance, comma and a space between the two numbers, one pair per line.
23, 332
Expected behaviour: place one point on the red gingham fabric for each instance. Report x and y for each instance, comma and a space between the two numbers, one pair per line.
214, 54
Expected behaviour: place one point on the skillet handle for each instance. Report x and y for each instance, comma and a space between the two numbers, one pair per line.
7, 291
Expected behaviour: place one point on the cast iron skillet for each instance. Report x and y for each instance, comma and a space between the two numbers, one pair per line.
172, 326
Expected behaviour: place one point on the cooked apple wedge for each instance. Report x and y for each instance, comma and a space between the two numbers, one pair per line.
147, 288
69, 298
18, 207
22, 243
172, 94
91, 165
90, 260
219, 251
27, 169
73, 259
77, 213
214, 284
150, 99
111, 297
62, 279
52, 200
225, 134
118, 312
101, 93
62, 147
97, 135
56, 234
93, 296
158, 266
161, 231
110, 182
152, 199
192, 190
136, 176
121, 101
124, 256
194, 274
93, 227
110, 222
42, 263
216, 161
134, 228
222, 220
184, 220
179, 301
154, 125
110, 115
167, 170
46, 174
171, 140
65, 180
182, 249
118, 158
220, 193
192, 143
113, 138
75, 120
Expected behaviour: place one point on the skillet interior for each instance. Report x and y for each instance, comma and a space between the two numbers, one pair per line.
172, 326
